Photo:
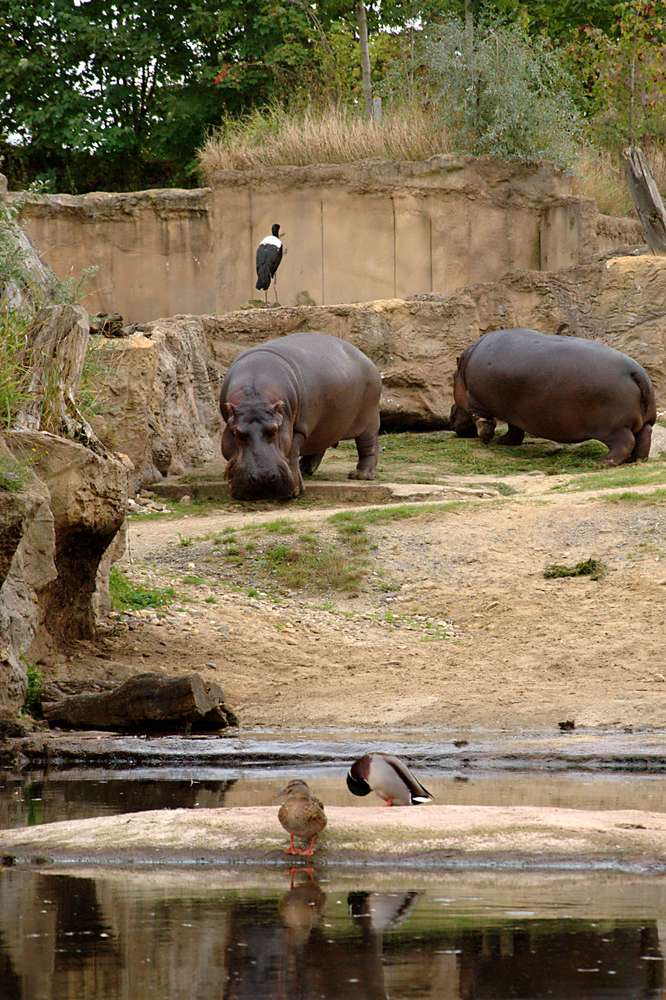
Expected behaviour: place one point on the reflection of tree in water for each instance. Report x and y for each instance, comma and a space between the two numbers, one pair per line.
10, 983
526, 962
52, 798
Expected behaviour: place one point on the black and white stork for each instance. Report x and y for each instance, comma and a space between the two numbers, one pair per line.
269, 255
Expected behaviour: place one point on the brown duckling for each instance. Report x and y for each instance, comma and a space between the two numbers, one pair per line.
302, 815
389, 777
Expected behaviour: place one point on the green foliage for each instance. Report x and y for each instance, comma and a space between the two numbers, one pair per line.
32, 704
622, 71
129, 596
594, 568
648, 498
502, 93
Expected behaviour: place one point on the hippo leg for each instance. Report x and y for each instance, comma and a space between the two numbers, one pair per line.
643, 441
620, 445
294, 463
486, 428
310, 463
513, 436
367, 447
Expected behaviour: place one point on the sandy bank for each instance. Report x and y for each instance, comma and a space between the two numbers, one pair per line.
437, 835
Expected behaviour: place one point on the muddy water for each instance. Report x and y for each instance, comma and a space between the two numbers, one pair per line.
39, 797
302, 936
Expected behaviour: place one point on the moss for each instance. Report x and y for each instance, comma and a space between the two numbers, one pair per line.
594, 568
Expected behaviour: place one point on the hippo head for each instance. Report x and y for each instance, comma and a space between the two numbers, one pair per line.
261, 438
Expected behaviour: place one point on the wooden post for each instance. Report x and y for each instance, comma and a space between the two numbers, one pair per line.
647, 199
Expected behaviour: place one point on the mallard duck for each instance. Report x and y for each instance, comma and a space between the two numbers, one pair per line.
389, 778
302, 815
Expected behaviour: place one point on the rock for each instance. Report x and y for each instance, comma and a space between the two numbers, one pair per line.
107, 325
146, 701
55, 533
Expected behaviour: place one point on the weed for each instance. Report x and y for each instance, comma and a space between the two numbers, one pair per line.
195, 581
594, 568
184, 540
126, 595
32, 704
14, 475
281, 526
210, 599
252, 592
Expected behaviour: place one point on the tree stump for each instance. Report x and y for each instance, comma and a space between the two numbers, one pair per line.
56, 352
647, 199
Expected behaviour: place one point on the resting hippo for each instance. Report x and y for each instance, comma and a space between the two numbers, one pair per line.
562, 388
288, 400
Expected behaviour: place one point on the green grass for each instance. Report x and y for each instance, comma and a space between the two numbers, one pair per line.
426, 458
14, 475
129, 596
654, 496
194, 581
350, 521
636, 474
32, 703
594, 568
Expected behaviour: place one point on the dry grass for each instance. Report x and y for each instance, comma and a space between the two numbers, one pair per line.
599, 174
276, 136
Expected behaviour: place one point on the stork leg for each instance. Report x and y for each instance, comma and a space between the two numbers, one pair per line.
275, 288
265, 296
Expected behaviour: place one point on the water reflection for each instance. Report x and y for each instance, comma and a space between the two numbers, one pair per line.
176, 935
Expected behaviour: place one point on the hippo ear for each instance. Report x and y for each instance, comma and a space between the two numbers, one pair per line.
228, 412
278, 410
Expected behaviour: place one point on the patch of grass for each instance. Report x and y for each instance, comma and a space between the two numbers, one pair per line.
351, 521
281, 526
14, 373
635, 474
14, 475
184, 540
32, 703
428, 457
210, 599
654, 496
195, 581
252, 592
594, 568
129, 596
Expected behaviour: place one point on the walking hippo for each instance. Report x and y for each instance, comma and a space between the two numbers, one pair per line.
565, 389
288, 400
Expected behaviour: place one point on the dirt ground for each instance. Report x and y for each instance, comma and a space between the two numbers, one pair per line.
468, 633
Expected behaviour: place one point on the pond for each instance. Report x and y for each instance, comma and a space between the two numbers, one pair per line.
301, 934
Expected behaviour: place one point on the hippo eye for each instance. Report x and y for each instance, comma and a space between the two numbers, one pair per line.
270, 430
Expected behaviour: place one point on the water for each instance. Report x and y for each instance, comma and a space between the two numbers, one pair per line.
45, 797
188, 935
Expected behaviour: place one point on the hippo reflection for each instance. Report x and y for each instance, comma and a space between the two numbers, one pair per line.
285, 402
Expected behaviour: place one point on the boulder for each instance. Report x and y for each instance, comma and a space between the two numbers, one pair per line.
56, 526
147, 701
158, 395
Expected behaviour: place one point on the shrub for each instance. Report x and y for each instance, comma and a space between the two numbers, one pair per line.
502, 93
32, 704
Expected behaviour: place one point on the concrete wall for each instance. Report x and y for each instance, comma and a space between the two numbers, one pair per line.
354, 232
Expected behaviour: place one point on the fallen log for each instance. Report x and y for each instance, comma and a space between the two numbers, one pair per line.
148, 701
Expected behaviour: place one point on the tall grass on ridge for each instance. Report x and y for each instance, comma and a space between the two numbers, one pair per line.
277, 136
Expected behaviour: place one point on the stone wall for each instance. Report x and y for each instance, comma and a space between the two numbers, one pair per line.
159, 390
354, 232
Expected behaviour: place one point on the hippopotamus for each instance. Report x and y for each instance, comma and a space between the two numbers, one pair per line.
565, 389
288, 400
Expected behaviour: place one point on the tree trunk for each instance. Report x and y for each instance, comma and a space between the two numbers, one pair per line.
362, 20
647, 199
57, 344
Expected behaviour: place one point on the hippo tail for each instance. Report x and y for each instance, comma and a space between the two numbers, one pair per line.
648, 403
